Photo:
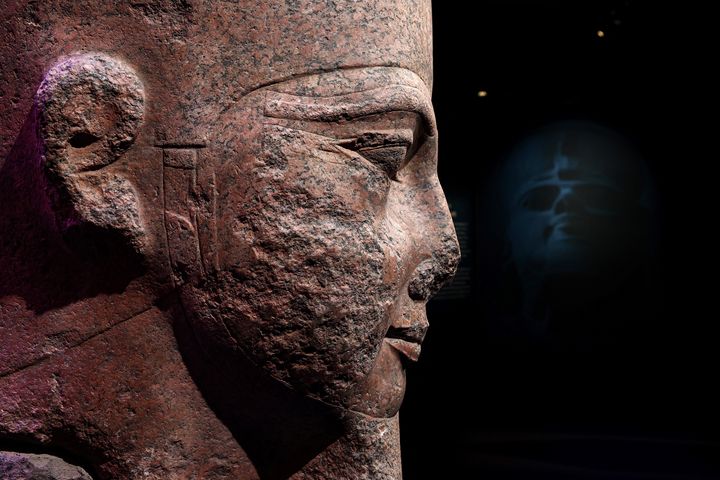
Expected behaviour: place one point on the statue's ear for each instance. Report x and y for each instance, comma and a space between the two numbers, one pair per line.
90, 108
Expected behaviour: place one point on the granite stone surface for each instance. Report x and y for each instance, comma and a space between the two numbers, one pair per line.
220, 222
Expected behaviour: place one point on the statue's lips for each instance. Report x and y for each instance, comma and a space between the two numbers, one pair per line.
406, 333
411, 350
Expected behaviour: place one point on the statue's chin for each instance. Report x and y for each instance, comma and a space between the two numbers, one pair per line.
381, 394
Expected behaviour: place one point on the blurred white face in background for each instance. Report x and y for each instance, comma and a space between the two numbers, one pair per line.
576, 199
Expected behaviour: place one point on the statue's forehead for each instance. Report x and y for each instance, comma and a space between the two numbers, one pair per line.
295, 37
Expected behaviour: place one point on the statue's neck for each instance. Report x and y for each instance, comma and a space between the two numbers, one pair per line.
258, 427
370, 449
286, 434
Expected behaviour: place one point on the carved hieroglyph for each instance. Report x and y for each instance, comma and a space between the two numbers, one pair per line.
221, 221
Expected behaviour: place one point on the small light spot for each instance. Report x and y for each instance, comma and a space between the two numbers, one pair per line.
600, 34
482, 93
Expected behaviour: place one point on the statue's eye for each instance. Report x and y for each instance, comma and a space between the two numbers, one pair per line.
388, 150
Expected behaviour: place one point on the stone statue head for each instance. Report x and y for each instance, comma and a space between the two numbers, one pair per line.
263, 172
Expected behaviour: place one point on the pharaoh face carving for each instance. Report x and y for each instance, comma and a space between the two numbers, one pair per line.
335, 232
309, 239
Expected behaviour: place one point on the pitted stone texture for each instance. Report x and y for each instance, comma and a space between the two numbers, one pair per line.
90, 110
28, 466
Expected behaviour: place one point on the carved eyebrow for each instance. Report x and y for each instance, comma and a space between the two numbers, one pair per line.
391, 98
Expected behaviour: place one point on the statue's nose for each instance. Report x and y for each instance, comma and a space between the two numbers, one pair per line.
432, 273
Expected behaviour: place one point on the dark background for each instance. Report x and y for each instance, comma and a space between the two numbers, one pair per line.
646, 406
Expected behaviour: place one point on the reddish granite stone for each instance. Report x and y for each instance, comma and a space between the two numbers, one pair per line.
28, 466
220, 224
